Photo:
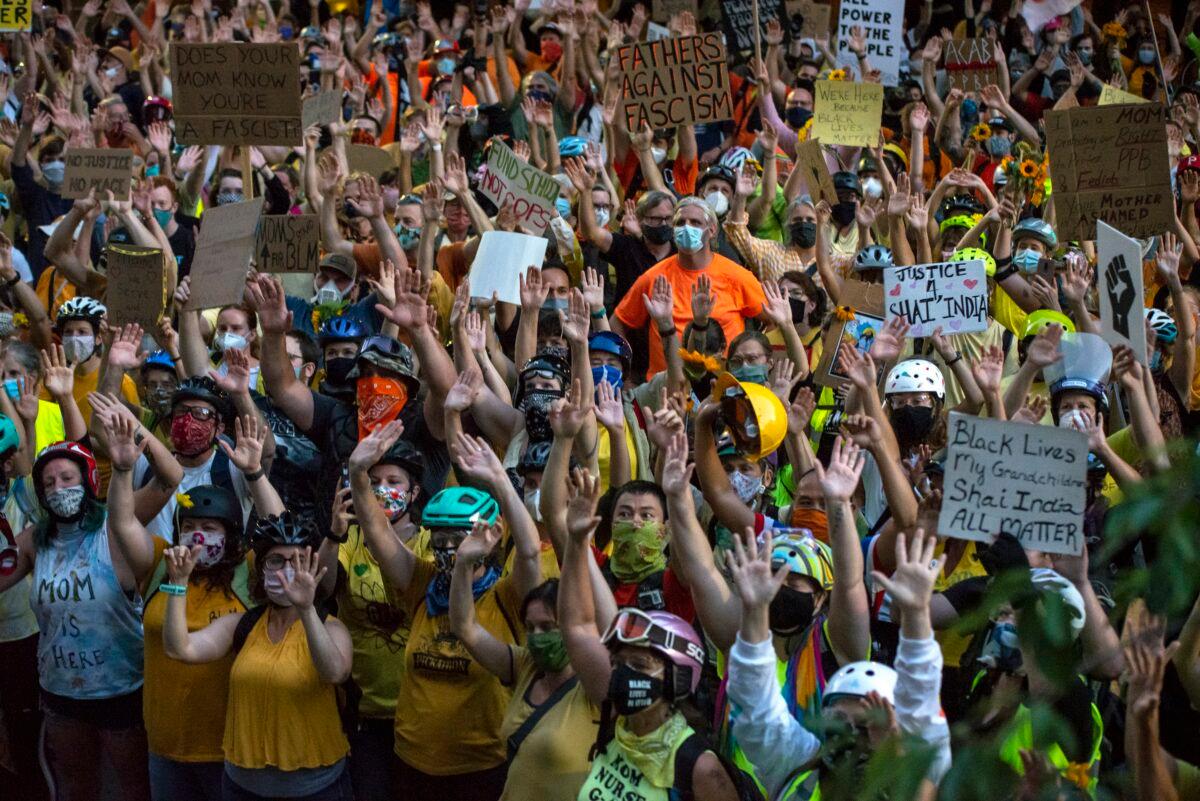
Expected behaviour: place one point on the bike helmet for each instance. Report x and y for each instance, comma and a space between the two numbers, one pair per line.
80, 308
718, 172
459, 508
971, 254
754, 416
546, 365
958, 221
1048, 581
858, 679
735, 157
805, 556
157, 108
534, 458
76, 452
341, 329
1036, 228
874, 257
387, 39
915, 375
570, 146
960, 204
9, 441
1037, 322
286, 528
213, 502
159, 360
668, 635
611, 342
1164, 327
406, 457
844, 179
204, 389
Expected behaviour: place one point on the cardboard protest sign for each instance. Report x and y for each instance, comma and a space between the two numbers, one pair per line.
321, 109
662, 10
1112, 96
1038, 13
1121, 293
811, 160
237, 93
1110, 163
971, 64
859, 329
369, 159
530, 191
16, 15
881, 23
223, 252
502, 258
737, 20
676, 81
288, 243
103, 169
1029, 481
847, 113
137, 285
814, 18
949, 294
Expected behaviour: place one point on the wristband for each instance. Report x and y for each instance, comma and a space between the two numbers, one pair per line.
1007, 272
173, 589
256, 475
435, 146
10, 283
599, 314
957, 358
666, 333
329, 535
697, 327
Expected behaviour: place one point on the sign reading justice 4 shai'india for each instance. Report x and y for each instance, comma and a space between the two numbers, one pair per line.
677, 81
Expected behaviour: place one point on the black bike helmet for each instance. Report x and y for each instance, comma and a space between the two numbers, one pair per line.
404, 455
204, 389
210, 501
287, 528
534, 458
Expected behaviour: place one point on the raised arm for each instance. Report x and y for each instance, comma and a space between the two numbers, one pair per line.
132, 541
494, 655
849, 615
209, 643
265, 294
396, 561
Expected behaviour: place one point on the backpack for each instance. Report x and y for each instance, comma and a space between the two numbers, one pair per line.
686, 756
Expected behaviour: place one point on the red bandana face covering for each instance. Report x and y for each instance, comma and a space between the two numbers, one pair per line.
191, 436
379, 403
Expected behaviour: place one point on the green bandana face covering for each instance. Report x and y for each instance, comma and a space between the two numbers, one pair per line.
547, 650
637, 551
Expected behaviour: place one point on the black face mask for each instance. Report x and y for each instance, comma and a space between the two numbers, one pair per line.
536, 407
337, 370
803, 233
912, 424
799, 310
796, 117
791, 611
632, 691
843, 213
657, 234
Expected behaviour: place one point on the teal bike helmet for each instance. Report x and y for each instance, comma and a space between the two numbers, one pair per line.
9, 441
459, 508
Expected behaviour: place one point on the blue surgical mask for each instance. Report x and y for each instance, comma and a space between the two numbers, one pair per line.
999, 146
12, 388
54, 172
1026, 260
446, 66
152, 171
751, 373
1146, 55
688, 238
969, 108
1085, 57
564, 207
408, 237
1156, 363
285, 31
606, 372
163, 217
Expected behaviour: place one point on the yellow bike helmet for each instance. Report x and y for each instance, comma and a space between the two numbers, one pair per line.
971, 254
1038, 320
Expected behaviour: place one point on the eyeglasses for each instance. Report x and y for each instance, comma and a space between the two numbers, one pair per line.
655, 220
198, 413
277, 562
915, 399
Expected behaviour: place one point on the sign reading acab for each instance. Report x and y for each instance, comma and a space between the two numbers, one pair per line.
16, 15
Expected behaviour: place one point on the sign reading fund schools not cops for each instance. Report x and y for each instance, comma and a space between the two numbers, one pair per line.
676, 81
950, 294
1027, 480
237, 94
530, 191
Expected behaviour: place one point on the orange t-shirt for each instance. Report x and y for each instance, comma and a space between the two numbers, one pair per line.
738, 295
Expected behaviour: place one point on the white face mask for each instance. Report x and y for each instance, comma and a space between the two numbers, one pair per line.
1074, 420
229, 341
872, 188
717, 202
78, 348
746, 487
6, 323
533, 502
658, 154
65, 503
602, 217
329, 293
273, 584
111, 72
212, 545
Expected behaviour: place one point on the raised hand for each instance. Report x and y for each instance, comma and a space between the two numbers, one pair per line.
465, 390
703, 300
301, 588
800, 411
533, 290
592, 287
250, 435
1043, 350
57, 376
750, 566
267, 298
889, 340
576, 320
371, 448
236, 379
475, 331
839, 480
610, 411
988, 368
677, 472
477, 545
583, 494
660, 303
126, 442
125, 352
776, 309
181, 560
1032, 411
343, 515
858, 367
911, 584
410, 309
567, 415
475, 458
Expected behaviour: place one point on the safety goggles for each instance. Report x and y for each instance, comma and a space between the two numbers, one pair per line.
381, 344
635, 627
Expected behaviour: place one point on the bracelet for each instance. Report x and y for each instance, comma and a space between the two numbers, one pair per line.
436, 146
10, 283
256, 475
666, 333
957, 358
599, 314
173, 589
697, 327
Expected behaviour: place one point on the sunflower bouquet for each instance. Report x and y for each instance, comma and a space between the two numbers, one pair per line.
981, 133
1027, 173
1114, 33
836, 75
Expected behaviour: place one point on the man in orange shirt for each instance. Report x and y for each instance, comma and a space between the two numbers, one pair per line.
736, 293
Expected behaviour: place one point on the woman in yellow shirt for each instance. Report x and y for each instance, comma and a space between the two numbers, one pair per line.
283, 737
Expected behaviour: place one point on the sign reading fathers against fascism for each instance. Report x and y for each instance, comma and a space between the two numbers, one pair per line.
880, 21
1129, 188
1029, 481
676, 81
949, 294
16, 15
288, 243
530, 191
237, 94
847, 113
103, 169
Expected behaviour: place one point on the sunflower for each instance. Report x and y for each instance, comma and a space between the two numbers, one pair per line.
1114, 31
981, 132
1029, 168
837, 75
844, 313
695, 357
19, 319
184, 500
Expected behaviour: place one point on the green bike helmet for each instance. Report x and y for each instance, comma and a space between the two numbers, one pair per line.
459, 508
971, 254
9, 441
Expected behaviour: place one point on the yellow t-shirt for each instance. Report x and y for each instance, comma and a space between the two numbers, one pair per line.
49, 427
953, 645
604, 455
450, 708
552, 761
378, 628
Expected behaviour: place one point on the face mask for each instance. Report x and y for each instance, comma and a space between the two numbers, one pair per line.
803, 233
409, 237
689, 239
555, 304
536, 408
393, 501
547, 650
747, 487
1001, 649
285, 31
563, 206
1156, 362
152, 171
969, 108
606, 372
190, 436
361, 136
213, 546
1085, 57
111, 72
657, 234
1073, 418
533, 504
159, 400
1026, 260
751, 373
273, 584
54, 172
999, 146
602, 217
658, 154
225, 198
632, 691
443, 558
299, 371
328, 293
6, 324
65, 503
717, 202
551, 51
791, 611
796, 117
637, 551
12, 388
337, 370
446, 66
912, 424
1146, 56
843, 213
812, 519
799, 309
78, 348
163, 217
229, 341
873, 188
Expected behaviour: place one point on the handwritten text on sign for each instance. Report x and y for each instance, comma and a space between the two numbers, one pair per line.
1130, 188
952, 295
1027, 480
677, 81
530, 191
847, 113
102, 169
880, 21
16, 15
288, 243
233, 93
737, 20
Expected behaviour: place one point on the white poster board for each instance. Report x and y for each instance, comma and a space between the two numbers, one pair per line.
1029, 481
882, 22
500, 261
950, 294
1119, 285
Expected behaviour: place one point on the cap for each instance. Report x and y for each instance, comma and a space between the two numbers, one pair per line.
346, 265
445, 46
552, 27
120, 54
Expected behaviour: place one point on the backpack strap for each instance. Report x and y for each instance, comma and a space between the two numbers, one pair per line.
219, 473
686, 755
240, 585
246, 625
539, 712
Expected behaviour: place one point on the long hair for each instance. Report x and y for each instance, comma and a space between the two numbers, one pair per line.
94, 515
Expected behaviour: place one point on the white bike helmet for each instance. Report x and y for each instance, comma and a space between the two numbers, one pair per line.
80, 308
857, 679
1046, 580
915, 375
